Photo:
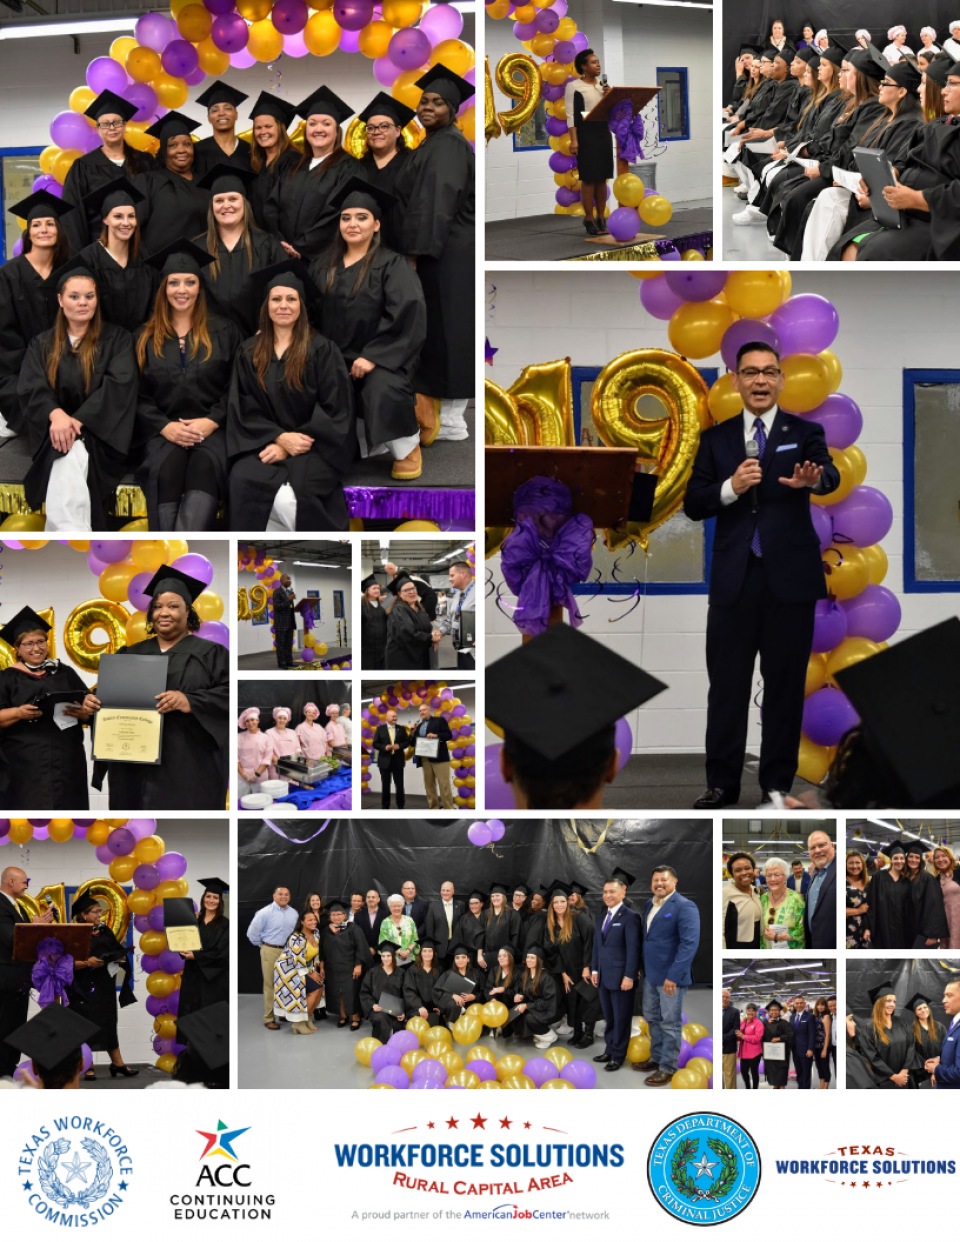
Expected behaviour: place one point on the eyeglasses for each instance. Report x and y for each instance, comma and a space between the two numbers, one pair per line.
110, 124
379, 129
752, 373
35, 642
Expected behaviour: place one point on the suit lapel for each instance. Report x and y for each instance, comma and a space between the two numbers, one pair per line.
782, 426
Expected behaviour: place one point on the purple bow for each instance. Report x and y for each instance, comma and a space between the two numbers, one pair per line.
628, 130
540, 571
52, 972
309, 617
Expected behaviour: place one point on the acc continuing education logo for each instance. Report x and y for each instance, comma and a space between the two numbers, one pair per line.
75, 1171
703, 1169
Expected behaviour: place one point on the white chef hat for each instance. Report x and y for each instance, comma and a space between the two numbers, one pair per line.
864, 34
894, 31
930, 31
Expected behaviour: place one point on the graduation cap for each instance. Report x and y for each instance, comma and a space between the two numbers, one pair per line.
774, 1004
862, 60
461, 950
287, 274
401, 580
895, 847
448, 85
477, 895
908, 698
499, 888
428, 942
40, 205
270, 105
227, 179
749, 49
836, 53
787, 53
181, 256
807, 54
387, 946
85, 902
368, 582
116, 193
53, 1036
220, 92
521, 888
207, 1034
213, 884
628, 879
917, 1000
576, 887
359, 193
562, 688
338, 904
941, 68
814, 63
770, 53
509, 948
169, 579
77, 266
905, 73
536, 950
881, 990
24, 622
557, 888
383, 104
323, 102
171, 126
108, 103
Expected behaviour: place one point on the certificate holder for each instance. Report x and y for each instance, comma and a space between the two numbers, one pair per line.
393, 1005
180, 925
877, 172
128, 728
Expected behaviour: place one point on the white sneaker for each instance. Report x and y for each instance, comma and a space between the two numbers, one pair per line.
749, 215
564, 1029
544, 1041
741, 191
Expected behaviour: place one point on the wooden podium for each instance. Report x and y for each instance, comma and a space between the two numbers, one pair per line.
74, 937
639, 97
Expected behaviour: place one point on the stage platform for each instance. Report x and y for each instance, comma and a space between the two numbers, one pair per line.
260, 661
562, 238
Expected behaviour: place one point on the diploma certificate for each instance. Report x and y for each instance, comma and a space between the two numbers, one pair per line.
127, 735
427, 747
184, 939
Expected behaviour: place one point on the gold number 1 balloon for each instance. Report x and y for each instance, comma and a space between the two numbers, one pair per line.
491, 126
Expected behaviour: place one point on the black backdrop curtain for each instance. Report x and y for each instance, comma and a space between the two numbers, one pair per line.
907, 976
749, 21
292, 692
367, 853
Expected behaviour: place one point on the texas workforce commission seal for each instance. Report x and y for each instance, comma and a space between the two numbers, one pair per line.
703, 1168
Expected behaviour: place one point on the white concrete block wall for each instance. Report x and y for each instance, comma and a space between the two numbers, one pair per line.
632, 44
252, 638
592, 317
205, 845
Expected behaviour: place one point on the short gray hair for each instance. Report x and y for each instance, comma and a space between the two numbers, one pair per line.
344, 707
777, 864
395, 897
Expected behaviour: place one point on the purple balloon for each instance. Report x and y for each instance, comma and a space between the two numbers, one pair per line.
196, 566
428, 1084
156, 1005
539, 1069
441, 22
87, 1058
829, 625
155, 31
41, 834
428, 1069
560, 163
623, 742
104, 855
69, 130
479, 834
546, 21
142, 923
552, 94
704, 1047
171, 962
499, 793
383, 1056
216, 632
121, 842
565, 50
179, 58
496, 827
580, 1073
458, 752
624, 225
349, 41
822, 524
840, 418
146, 876
524, 31
874, 613
141, 827
109, 551
135, 590
684, 1055
696, 286
806, 324
827, 715
149, 963
289, 16
353, 14
486, 1071
173, 1000
307, 655
579, 40
172, 866
556, 126
218, 7
230, 33
744, 332
409, 48
658, 299
864, 517
385, 71
105, 74
18, 245
559, 7
144, 97
156, 918
406, 1041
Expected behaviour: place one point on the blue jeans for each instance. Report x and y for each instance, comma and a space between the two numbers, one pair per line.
663, 1015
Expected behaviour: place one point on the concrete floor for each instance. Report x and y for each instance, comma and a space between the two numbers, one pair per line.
674, 782
325, 1060
748, 242
792, 1082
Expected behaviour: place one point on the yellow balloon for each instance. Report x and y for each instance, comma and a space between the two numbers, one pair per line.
165, 1025
320, 648
140, 901
148, 849
723, 399
456, 55
121, 48
816, 673
211, 59
171, 888
81, 97
628, 189
160, 984
499, 9
701, 1082
525, 14
402, 13
557, 1084
877, 563
98, 832
176, 548
365, 1048
254, 10
452, 1062
567, 28
322, 34
60, 830
518, 1082
23, 521
136, 525
849, 468
856, 463
410, 1060
851, 651
374, 39
122, 869
692, 256
419, 1026
463, 1078
209, 605
89, 618
115, 581
700, 1065
542, 45
697, 328
61, 166
171, 92
136, 630
46, 158
509, 1065
553, 73
20, 831
265, 42
148, 554
34, 543
638, 1049
481, 1053
476, 1009
490, 1085
754, 294
685, 1080
693, 1031
195, 23
806, 380
834, 369
418, 525
153, 942
137, 137
467, 1030
381, 1086
814, 761
167, 1063
655, 210
143, 64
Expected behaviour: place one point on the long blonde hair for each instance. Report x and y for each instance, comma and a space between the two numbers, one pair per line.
566, 927
213, 235
258, 160
87, 351
159, 327
879, 1018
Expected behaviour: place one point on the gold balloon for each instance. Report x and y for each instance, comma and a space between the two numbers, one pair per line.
122, 869
98, 832
24, 521
153, 942
439, 1033
111, 895
518, 1082
692, 256
259, 599
137, 628
243, 604
697, 328
54, 895
557, 1084
502, 422
476, 1009
628, 189
481, 1053
543, 395
685, 1080
693, 1031
848, 467
365, 1049
381, 1086
491, 126
814, 761
877, 563
700, 1065
148, 849
140, 901
115, 581
806, 380
490, 1085
496, 1014
209, 605
559, 1057
20, 831
167, 1063
463, 1078
816, 673
452, 1062
86, 618
7, 654
518, 78
669, 443
851, 651
846, 571
410, 1060
856, 463
754, 294
149, 554
509, 1065
137, 524
723, 399
467, 1030
419, 1026
638, 1049
834, 369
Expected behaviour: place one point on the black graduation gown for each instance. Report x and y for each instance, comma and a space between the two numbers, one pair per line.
27, 308
299, 209
859, 1076
173, 208
341, 952
192, 773
889, 916
542, 1007
195, 387
387, 178
207, 154
83, 225
926, 916
373, 635
386, 323
206, 979
500, 930
418, 993
928, 1046
259, 191
126, 293
451, 983
495, 979
777, 1073
93, 993
231, 293
811, 138
42, 765
439, 228
107, 412
409, 634
375, 982
886, 1059
256, 416
470, 931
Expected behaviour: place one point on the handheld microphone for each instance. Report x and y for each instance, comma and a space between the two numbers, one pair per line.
603, 79
753, 452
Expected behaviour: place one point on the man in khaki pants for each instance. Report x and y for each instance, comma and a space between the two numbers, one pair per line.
731, 1023
268, 930
436, 772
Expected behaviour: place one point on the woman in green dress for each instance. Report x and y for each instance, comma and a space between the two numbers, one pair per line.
782, 909
401, 931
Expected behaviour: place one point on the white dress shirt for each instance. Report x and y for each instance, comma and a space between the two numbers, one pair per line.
727, 494
656, 908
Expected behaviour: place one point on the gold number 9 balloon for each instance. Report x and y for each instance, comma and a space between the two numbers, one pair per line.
491, 126
355, 139
519, 78
669, 444
111, 895
95, 614
258, 601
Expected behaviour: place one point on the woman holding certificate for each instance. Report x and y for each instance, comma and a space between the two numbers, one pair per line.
192, 772
206, 971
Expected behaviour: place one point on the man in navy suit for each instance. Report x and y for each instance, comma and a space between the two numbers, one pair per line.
614, 966
369, 920
414, 906
820, 907
671, 937
800, 880
14, 976
804, 1041
946, 1067
766, 575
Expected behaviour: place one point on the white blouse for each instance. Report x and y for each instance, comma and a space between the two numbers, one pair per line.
591, 97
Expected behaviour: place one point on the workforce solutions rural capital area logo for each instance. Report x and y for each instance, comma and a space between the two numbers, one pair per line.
74, 1171
704, 1168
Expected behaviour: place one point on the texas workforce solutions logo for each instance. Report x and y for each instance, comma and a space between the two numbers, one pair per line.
703, 1168
74, 1171
223, 1189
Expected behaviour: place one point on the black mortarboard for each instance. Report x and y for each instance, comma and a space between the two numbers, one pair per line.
770, 53
557, 888
521, 888
338, 904
914, 847
402, 578
25, 621
387, 946
368, 582
448, 85
169, 579
83, 903
107, 103
171, 125
288, 274
807, 54
478, 895
220, 92
227, 179
206, 1032
941, 67
213, 884
182, 256
908, 698
627, 878
576, 887
428, 942
41, 204
536, 950
509, 948
814, 63
500, 888
881, 990
905, 73
561, 688
459, 949
359, 193
916, 1000
862, 60
895, 847
774, 1002
383, 104
836, 53
77, 266
787, 53
323, 102
953, 71
749, 49
270, 105
56, 1033
116, 193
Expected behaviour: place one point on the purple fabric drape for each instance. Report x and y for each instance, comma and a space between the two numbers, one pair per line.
628, 131
52, 972
431, 504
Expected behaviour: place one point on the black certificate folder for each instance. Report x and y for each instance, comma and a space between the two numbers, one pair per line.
128, 728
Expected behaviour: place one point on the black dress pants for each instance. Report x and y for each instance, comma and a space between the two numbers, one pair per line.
13, 1014
285, 648
394, 772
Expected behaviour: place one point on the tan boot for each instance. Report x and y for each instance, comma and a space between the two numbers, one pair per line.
429, 419
408, 468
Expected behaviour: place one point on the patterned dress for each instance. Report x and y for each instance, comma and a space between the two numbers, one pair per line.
857, 923
289, 986
787, 916
404, 936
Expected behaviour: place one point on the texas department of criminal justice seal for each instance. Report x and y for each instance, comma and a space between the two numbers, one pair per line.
703, 1168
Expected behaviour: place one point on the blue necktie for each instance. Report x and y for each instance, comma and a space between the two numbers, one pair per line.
606, 924
760, 435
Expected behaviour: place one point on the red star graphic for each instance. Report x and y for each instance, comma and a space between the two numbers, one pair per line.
879, 1183
452, 1125
526, 1125
430, 1125
504, 1123
866, 1184
478, 1122
211, 1140
853, 1185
